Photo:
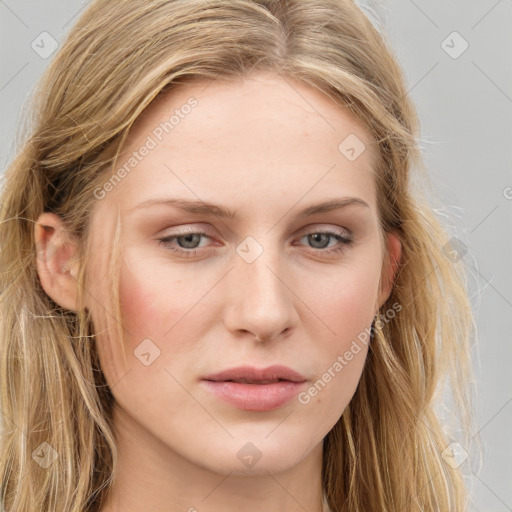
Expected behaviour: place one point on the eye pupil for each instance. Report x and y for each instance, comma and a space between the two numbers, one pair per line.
187, 238
317, 237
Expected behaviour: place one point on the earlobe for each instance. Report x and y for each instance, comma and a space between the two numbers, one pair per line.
55, 259
389, 270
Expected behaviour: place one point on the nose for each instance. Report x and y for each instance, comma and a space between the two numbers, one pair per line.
260, 301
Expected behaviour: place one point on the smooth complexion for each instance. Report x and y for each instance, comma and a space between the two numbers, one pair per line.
265, 148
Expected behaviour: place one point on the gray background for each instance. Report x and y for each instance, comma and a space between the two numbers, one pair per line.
465, 104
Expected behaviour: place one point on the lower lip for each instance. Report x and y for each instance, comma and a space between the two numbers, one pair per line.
255, 397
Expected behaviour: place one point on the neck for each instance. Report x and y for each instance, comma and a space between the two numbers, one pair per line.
152, 476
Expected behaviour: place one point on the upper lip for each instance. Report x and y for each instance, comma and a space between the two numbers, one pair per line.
252, 374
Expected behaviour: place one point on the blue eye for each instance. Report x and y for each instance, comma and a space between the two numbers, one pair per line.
187, 243
320, 237
188, 239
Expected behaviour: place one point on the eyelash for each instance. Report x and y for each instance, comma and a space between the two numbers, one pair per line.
345, 242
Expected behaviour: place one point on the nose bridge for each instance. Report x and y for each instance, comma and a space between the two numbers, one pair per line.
259, 299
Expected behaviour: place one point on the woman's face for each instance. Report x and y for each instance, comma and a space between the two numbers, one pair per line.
203, 292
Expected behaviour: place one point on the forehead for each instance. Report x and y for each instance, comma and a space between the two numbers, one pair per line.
255, 138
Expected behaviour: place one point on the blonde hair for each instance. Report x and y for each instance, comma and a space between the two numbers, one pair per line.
385, 452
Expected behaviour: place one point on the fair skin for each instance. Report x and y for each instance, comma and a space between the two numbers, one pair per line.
266, 149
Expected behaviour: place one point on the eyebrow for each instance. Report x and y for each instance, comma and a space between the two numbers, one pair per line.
204, 208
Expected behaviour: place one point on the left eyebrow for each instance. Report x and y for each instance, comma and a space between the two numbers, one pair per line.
204, 208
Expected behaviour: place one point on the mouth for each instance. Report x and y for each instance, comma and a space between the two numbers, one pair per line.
252, 375
257, 390
247, 381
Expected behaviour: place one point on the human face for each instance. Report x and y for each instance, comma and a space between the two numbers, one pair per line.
200, 294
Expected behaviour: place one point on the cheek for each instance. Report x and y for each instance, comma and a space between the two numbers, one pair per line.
346, 309
161, 304
150, 303
348, 301
345, 303
138, 304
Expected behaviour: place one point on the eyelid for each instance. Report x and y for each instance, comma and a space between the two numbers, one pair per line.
312, 228
318, 228
344, 237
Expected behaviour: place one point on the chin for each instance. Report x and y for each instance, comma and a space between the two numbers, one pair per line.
253, 455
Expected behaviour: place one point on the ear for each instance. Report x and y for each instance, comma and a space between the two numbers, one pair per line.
56, 265
390, 266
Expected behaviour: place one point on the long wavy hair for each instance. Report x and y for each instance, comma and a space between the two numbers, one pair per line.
386, 451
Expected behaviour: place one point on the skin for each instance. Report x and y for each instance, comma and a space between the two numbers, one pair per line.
265, 148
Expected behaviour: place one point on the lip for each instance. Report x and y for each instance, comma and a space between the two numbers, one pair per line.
256, 395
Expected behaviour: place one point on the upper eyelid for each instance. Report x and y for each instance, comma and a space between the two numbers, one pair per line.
310, 228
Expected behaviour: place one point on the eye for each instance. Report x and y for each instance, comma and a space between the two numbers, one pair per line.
320, 241
187, 244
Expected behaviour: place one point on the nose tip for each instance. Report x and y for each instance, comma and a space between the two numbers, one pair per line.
260, 302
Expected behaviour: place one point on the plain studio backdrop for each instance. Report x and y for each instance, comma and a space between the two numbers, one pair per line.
458, 65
